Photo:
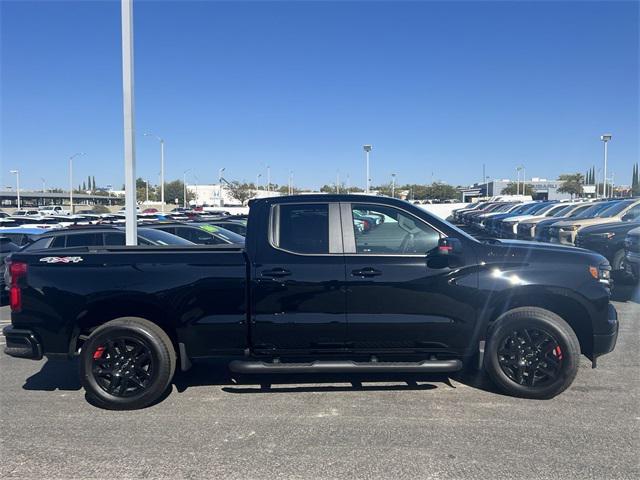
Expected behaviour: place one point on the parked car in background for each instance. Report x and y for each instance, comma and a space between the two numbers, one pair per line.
150, 210
6, 248
565, 232
632, 254
508, 227
53, 210
233, 225
527, 227
588, 210
200, 233
608, 240
99, 237
26, 213
22, 235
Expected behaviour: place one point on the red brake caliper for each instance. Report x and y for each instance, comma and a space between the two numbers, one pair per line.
98, 353
557, 352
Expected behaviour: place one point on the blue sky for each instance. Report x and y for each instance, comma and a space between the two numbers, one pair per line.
435, 87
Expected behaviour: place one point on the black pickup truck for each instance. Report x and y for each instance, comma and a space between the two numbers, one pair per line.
324, 283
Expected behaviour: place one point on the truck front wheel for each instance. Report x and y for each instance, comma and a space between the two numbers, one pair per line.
127, 363
532, 353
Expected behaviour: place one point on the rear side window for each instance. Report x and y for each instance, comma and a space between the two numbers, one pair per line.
301, 228
85, 240
114, 239
59, 242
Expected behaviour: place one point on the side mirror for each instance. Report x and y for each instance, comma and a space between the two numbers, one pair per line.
449, 246
446, 255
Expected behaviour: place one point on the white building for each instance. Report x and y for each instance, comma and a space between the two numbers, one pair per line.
217, 195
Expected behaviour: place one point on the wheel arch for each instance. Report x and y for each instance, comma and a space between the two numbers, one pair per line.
566, 306
101, 311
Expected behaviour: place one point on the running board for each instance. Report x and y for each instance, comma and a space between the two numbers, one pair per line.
346, 366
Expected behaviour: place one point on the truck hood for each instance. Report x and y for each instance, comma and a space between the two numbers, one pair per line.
528, 249
582, 222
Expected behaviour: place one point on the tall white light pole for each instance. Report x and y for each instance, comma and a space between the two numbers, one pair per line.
524, 179
71, 178
367, 149
268, 178
258, 181
44, 185
393, 185
131, 217
184, 183
290, 182
146, 182
17, 174
161, 140
605, 139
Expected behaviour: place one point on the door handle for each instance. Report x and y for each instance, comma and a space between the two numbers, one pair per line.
366, 272
276, 273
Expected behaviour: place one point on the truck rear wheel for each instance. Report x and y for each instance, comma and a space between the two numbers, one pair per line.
532, 353
127, 363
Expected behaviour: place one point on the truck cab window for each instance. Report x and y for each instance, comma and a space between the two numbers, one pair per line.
386, 230
302, 228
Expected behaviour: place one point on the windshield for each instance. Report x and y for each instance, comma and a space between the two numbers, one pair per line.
614, 209
592, 210
158, 237
228, 235
560, 211
547, 208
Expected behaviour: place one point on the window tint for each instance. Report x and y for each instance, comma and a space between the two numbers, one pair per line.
632, 214
59, 242
114, 239
39, 244
386, 230
303, 228
84, 240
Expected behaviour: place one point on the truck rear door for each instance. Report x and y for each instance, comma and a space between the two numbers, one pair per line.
298, 293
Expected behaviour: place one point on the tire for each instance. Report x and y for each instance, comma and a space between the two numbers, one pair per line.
139, 352
617, 263
512, 353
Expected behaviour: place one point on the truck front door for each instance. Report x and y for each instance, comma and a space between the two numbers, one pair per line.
298, 293
395, 300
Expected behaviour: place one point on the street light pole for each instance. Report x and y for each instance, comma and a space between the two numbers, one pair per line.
147, 193
184, 184
44, 189
393, 185
290, 182
338, 181
71, 179
367, 149
17, 174
268, 178
161, 140
258, 181
605, 138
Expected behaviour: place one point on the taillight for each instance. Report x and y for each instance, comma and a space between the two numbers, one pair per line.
17, 270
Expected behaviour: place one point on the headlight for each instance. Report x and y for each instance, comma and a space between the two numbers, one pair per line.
601, 273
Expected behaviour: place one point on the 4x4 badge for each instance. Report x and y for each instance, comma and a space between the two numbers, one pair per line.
61, 259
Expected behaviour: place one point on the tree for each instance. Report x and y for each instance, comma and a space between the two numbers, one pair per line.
175, 189
241, 191
93, 184
513, 188
571, 183
442, 191
635, 181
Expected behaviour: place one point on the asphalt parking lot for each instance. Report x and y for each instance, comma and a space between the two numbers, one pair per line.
391, 427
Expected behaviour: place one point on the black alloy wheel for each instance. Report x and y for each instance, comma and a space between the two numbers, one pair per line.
123, 366
530, 356
127, 363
